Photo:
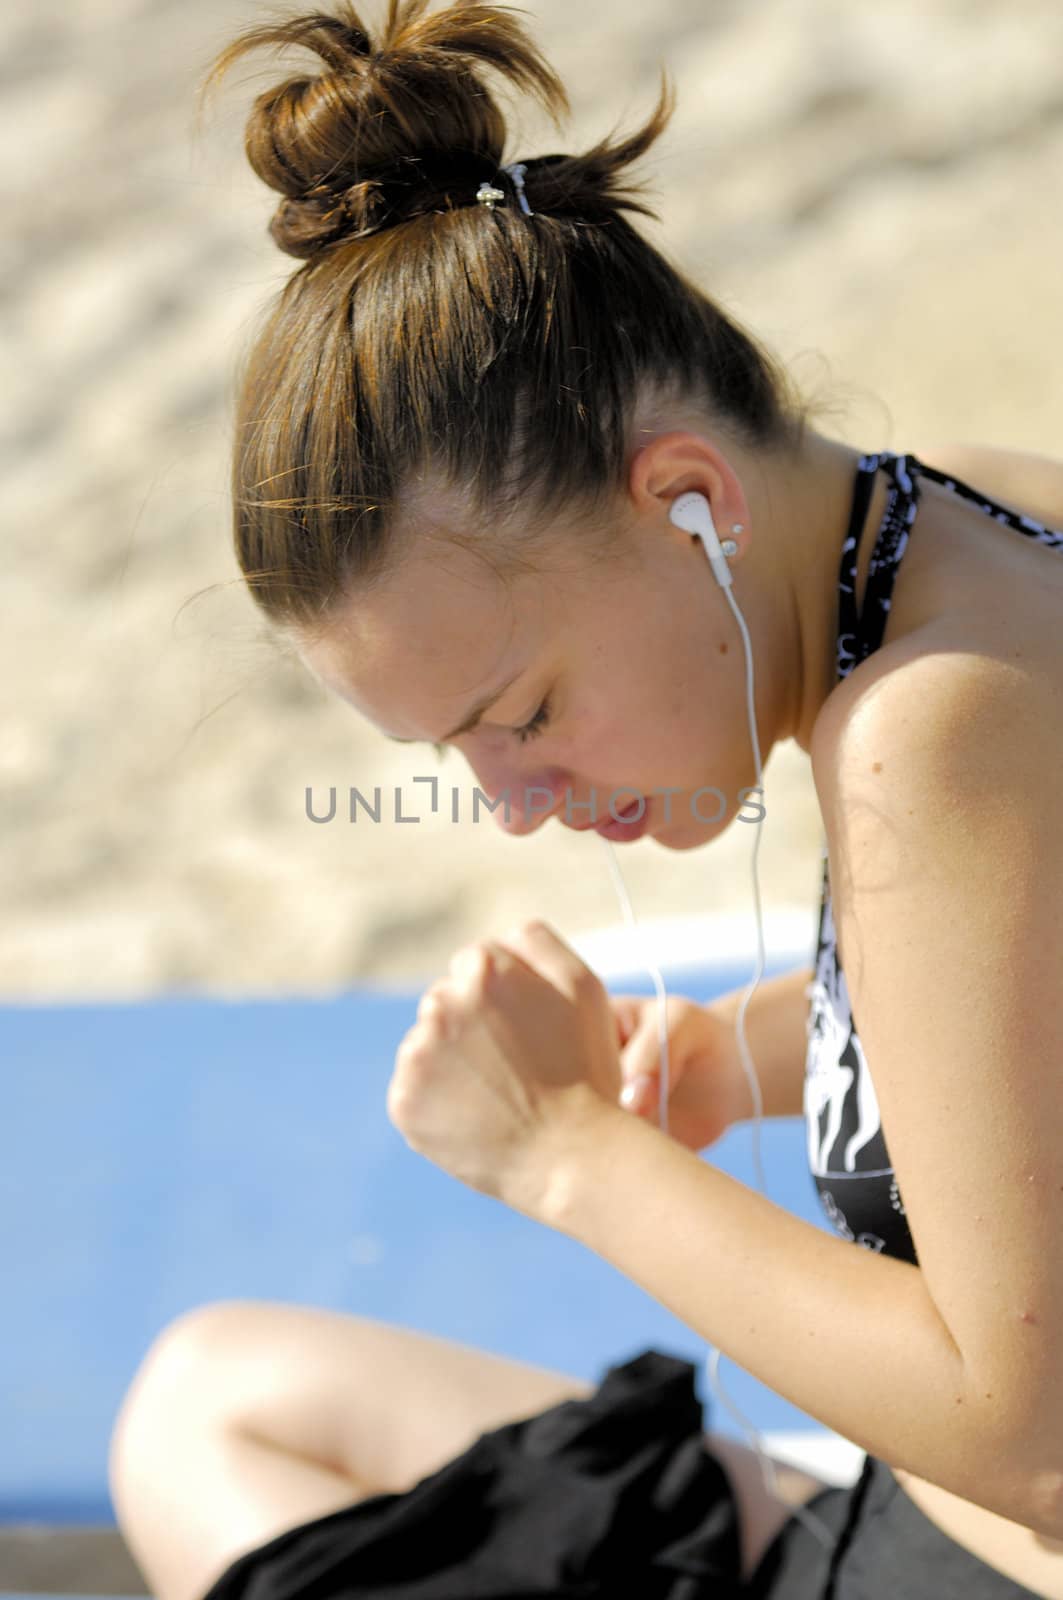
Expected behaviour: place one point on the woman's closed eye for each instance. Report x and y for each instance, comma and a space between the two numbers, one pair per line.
537, 723
530, 729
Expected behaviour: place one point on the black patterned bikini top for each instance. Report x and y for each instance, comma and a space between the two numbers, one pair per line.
847, 1152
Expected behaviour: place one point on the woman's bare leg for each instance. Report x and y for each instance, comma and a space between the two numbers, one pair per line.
249, 1418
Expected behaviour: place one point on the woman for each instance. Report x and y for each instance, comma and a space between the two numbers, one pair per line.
460, 436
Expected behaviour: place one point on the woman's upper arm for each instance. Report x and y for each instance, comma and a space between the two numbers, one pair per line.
940, 803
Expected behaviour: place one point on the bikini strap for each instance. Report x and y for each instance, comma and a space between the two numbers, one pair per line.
848, 622
1015, 519
888, 553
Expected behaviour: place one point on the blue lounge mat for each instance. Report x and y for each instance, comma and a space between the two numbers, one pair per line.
161, 1156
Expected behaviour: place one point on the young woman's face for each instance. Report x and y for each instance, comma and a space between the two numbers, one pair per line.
609, 679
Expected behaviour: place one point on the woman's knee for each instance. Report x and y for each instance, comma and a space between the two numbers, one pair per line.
182, 1368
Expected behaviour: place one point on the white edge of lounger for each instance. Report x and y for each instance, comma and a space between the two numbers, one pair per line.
616, 952
816, 1450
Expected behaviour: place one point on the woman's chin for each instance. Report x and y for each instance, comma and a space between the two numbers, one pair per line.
683, 836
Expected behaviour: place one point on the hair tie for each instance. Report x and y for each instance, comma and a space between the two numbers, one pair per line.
516, 173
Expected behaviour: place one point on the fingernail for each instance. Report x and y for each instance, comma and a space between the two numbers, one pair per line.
633, 1091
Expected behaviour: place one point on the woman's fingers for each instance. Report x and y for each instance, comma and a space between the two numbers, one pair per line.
641, 1053
640, 1062
635, 1094
626, 1009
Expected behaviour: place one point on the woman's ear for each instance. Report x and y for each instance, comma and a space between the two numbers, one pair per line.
684, 461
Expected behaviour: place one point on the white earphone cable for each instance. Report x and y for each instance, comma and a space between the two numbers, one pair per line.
810, 1520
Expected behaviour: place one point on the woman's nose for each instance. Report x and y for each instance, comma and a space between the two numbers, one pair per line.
521, 802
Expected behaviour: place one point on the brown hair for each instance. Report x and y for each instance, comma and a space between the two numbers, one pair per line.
503, 354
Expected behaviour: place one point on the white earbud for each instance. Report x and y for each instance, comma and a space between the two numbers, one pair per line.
692, 513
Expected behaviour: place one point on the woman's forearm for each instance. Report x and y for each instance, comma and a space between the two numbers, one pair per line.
775, 1026
847, 1335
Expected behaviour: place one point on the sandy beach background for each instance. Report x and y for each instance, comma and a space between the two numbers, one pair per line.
873, 188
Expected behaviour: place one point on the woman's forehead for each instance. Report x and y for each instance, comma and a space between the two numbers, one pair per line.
433, 599
452, 618
437, 633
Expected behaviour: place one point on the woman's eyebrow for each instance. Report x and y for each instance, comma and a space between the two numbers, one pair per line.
472, 719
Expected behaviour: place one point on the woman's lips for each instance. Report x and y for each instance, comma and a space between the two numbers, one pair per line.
626, 831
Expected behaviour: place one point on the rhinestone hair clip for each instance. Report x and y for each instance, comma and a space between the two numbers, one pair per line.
489, 196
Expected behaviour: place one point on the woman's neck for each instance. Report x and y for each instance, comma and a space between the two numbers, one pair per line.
800, 507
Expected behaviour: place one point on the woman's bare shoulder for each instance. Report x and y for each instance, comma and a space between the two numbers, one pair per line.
1032, 484
937, 698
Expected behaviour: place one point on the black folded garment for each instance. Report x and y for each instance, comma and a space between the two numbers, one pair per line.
613, 1496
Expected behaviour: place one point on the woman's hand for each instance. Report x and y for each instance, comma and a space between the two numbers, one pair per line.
704, 1067
513, 1061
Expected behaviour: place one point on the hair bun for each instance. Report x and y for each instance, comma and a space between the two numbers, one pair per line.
388, 130
415, 185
